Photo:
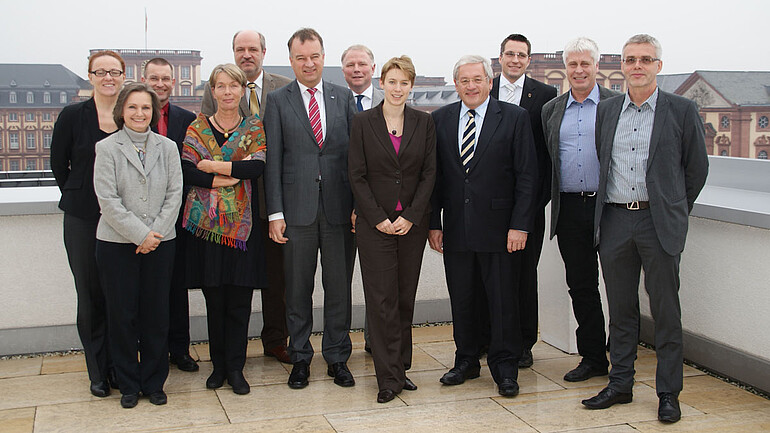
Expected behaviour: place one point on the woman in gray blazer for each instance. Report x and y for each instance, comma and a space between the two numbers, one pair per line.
138, 182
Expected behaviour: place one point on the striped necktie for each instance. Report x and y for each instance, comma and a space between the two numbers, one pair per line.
315, 118
469, 141
253, 100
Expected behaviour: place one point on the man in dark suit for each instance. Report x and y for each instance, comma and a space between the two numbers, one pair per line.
173, 124
515, 87
653, 164
310, 205
569, 130
485, 186
249, 51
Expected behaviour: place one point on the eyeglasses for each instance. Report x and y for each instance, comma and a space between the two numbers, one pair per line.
511, 54
465, 82
155, 79
631, 61
103, 73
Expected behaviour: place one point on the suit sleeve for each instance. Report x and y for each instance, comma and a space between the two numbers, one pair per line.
169, 212
366, 204
695, 159
435, 198
421, 200
62, 141
526, 189
274, 156
208, 105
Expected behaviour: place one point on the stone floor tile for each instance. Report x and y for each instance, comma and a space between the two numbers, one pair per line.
200, 352
20, 367
454, 416
17, 420
307, 424
426, 334
617, 428
646, 363
187, 381
750, 421
711, 395
562, 410
45, 390
183, 410
441, 351
542, 350
64, 364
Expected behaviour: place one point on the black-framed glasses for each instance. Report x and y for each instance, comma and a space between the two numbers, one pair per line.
631, 61
103, 72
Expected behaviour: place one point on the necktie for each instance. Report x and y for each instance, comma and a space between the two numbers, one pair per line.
163, 123
469, 141
253, 100
511, 93
315, 118
359, 105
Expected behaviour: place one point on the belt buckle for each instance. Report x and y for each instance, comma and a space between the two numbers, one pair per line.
588, 194
634, 205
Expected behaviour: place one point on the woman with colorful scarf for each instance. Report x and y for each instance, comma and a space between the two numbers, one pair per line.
222, 157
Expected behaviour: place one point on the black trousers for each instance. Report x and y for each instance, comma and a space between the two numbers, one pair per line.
274, 332
178, 302
80, 243
575, 234
136, 288
228, 310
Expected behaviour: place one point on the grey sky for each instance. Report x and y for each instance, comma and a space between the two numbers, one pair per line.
708, 35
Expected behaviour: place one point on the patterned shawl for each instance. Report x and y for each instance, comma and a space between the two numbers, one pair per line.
222, 215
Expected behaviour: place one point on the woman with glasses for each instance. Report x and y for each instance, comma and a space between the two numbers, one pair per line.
75, 134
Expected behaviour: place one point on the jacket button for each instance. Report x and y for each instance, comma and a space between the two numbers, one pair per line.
144, 198
142, 181
467, 200
398, 171
398, 181
467, 181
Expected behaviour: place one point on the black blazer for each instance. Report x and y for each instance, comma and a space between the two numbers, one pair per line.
533, 96
178, 121
498, 192
73, 150
379, 178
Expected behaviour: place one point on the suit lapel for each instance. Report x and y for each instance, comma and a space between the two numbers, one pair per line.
488, 128
658, 125
608, 135
527, 94
151, 153
410, 125
380, 129
243, 107
298, 105
127, 148
330, 104
454, 124
554, 130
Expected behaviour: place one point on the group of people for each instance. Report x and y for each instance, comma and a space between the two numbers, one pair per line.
340, 170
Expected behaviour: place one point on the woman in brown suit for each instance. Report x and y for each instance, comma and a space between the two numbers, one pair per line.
392, 167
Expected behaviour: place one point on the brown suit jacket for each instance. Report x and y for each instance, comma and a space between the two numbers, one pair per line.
379, 178
270, 82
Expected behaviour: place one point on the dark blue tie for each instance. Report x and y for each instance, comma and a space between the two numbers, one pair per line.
359, 105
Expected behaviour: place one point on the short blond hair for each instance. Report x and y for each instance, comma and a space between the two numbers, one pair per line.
231, 70
403, 63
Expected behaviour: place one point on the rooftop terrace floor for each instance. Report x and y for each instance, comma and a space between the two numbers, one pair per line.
50, 394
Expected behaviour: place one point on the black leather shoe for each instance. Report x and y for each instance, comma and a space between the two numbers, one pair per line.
508, 387
112, 378
342, 376
409, 385
216, 380
460, 373
299, 374
238, 382
668, 408
279, 352
385, 396
526, 359
129, 400
158, 398
100, 389
184, 362
607, 397
584, 371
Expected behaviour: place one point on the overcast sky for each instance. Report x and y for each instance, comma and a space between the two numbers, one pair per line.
706, 35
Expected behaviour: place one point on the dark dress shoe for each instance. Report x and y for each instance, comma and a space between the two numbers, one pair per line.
508, 387
238, 382
584, 371
409, 385
342, 376
526, 359
216, 380
158, 398
668, 408
129, 400
100, 389
279, 352
299, 374
460, 373
607, 397
385, 396
184, 362
112, 378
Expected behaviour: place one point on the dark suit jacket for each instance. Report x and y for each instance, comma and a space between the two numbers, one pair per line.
677, 164
552, 115
498, 192
533, 96
178, 121
294, 159
270, 83
380, 178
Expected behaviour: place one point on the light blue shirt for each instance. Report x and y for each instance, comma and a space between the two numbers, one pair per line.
481, 112
577, 146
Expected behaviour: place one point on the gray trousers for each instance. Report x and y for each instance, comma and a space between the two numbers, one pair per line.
335, 242
628, 244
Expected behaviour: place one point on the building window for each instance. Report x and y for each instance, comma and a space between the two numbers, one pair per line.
558, 88
13, 141
46, 117
47, 164
30, 98
185, 72
762, 154
31, 164
29, 117
47, 98
130, 72
31, 145
47, 140
12, 98
63, 97
13, 117
724, 122
762, 122
1, 146
13, 165
616, 87
723, 153
186, 91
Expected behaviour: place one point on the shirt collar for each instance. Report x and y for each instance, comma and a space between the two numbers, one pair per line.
593, 96
652, 101
520, 82
260, 79
481, 110
367, 93
164, 108
303, 88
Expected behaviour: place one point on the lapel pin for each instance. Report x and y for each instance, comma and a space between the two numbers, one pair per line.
529, 95
332, 96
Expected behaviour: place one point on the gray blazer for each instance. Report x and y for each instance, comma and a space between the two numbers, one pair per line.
294, 160
552, 115
136, 199
677, 164
377, 96
270, 82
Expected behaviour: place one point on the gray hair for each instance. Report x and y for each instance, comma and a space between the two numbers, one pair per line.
357, 47
645, 39
581, 45
261, 38
472, 59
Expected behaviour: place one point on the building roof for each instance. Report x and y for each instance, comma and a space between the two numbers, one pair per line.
35, 76
671, 82
740, 87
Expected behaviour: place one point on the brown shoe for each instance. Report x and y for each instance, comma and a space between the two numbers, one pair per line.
279, 352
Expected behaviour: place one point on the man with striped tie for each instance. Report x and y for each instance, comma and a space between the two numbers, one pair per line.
486, 187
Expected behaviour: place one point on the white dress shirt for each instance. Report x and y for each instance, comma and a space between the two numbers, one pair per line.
319, 97
511, 92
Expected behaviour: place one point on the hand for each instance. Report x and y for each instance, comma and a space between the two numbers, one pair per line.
150, 243
353, 217
221, 180
517, 240
402, 226
436, 240
386, 227
207, 166
277, 228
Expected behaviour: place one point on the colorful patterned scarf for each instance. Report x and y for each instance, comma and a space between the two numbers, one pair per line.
222, 215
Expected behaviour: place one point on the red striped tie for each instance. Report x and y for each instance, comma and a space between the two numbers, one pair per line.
315, 118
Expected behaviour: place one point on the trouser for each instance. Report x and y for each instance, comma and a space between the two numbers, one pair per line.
228, 310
